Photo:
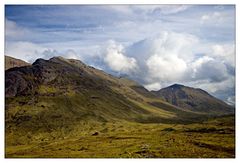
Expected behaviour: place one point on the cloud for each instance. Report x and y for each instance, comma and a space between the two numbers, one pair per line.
116, 59
19, 33
216, 87
29, 52
24, 50
70, 54
49, 53
215, 18
213, 70
133, 10
163, 58
161, 9
166, 68
14, 31
173, 9
123, 9
231, 100
153, 86
165, 44
225, 52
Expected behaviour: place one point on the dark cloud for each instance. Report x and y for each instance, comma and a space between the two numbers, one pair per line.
213, 70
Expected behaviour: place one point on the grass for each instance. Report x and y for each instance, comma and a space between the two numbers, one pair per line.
129, 140
47, 89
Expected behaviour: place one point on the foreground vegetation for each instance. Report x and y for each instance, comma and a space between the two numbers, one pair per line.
211, 139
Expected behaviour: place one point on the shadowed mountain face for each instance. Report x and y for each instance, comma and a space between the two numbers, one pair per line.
193, 99
11, 62
72, 87
56, 72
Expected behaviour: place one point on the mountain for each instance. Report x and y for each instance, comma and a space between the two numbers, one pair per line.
75, 89
65, 108
66, 88
60, 88
11, 62
193, 99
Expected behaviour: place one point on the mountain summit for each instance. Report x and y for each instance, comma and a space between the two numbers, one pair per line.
193, 99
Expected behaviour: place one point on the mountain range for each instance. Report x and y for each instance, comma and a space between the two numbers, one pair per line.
58, 94
59, 76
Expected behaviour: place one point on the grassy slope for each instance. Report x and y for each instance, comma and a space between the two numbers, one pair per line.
160, 133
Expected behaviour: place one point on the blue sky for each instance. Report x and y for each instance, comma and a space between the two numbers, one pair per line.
157, 45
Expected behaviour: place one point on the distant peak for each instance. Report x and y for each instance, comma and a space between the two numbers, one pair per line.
57, 58
39, 61
176, 86
53, 59
65, 59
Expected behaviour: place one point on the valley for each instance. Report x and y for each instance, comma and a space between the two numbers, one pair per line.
60, 108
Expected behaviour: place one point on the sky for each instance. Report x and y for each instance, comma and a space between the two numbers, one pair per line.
156, 45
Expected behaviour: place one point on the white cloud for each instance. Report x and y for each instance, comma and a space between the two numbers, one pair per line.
205, 18
29, 51
166, 44
166, 69
18, 33
145, 9
231, 100
24, 50
225, 52
173, 9
116, 59
215, 18
71, 54
165, 57
123, 9
163, 9
153, 86
13, 30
